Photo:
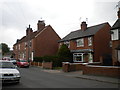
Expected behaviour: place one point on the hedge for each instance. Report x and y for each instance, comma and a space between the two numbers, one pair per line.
63, 55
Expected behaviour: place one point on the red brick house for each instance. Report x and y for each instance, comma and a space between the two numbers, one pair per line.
38, 43
89, 44
115, 36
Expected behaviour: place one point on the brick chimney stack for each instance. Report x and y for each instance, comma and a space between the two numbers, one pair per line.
40, 25
83, 26
29, 31
118, 13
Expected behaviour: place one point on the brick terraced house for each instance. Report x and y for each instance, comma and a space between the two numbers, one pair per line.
115, 36
42, 42
89, 44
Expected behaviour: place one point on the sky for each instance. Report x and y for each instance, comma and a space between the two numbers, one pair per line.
63, 15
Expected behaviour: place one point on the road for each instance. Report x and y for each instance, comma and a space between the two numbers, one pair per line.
35, 77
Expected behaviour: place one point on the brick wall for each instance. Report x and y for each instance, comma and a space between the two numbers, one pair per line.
92, 69
67, 67
47, 65
36, 63
102, 70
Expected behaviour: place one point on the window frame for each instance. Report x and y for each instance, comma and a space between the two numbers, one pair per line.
80, 42
89, 41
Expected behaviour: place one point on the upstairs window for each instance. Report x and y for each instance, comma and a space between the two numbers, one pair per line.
16, 47
25, 44
80, 42
115, 34
119, 55
30, 44
19, 46
67, 43
89, 41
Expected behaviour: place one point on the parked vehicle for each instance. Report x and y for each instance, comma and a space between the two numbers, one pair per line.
9, 72
23, 63
14, 61
6, 58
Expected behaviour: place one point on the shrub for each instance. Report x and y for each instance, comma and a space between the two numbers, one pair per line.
64, 54
47, 58
38, 59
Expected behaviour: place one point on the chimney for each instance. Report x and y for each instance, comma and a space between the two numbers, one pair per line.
40, 25
83, 26
118, 13
29, 31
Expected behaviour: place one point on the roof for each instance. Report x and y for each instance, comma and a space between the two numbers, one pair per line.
116, 25
31, 36
80, 33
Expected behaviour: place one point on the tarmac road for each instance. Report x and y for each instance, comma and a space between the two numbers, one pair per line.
36, 77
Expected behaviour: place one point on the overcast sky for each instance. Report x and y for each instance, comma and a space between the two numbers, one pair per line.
63, 15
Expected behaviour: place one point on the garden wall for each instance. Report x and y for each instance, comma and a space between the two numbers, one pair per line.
111, 71
92, 69
48, 65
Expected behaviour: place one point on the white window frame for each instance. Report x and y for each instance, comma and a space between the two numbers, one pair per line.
119, 55
89, 41
19, 46
30, 43
77, 55
80, 42
16, 46
115, 34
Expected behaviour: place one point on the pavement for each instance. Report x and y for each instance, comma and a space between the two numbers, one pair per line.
79, 74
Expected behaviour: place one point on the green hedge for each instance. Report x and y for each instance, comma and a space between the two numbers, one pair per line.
38, 59
63, 55
57, 61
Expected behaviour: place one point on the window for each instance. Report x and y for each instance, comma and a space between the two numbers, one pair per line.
78, 57
30, 44
25, 44
67, 43
80, 42
110, 43
19, 46
89, 41
119, 55
119, 33
115, 34
16, 46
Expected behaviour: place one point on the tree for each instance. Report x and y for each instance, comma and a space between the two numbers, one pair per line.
5, 48
65, 54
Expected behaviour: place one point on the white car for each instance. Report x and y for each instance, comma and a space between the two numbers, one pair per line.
8, 72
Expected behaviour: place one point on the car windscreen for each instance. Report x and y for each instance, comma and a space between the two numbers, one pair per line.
6, 65
23, 61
